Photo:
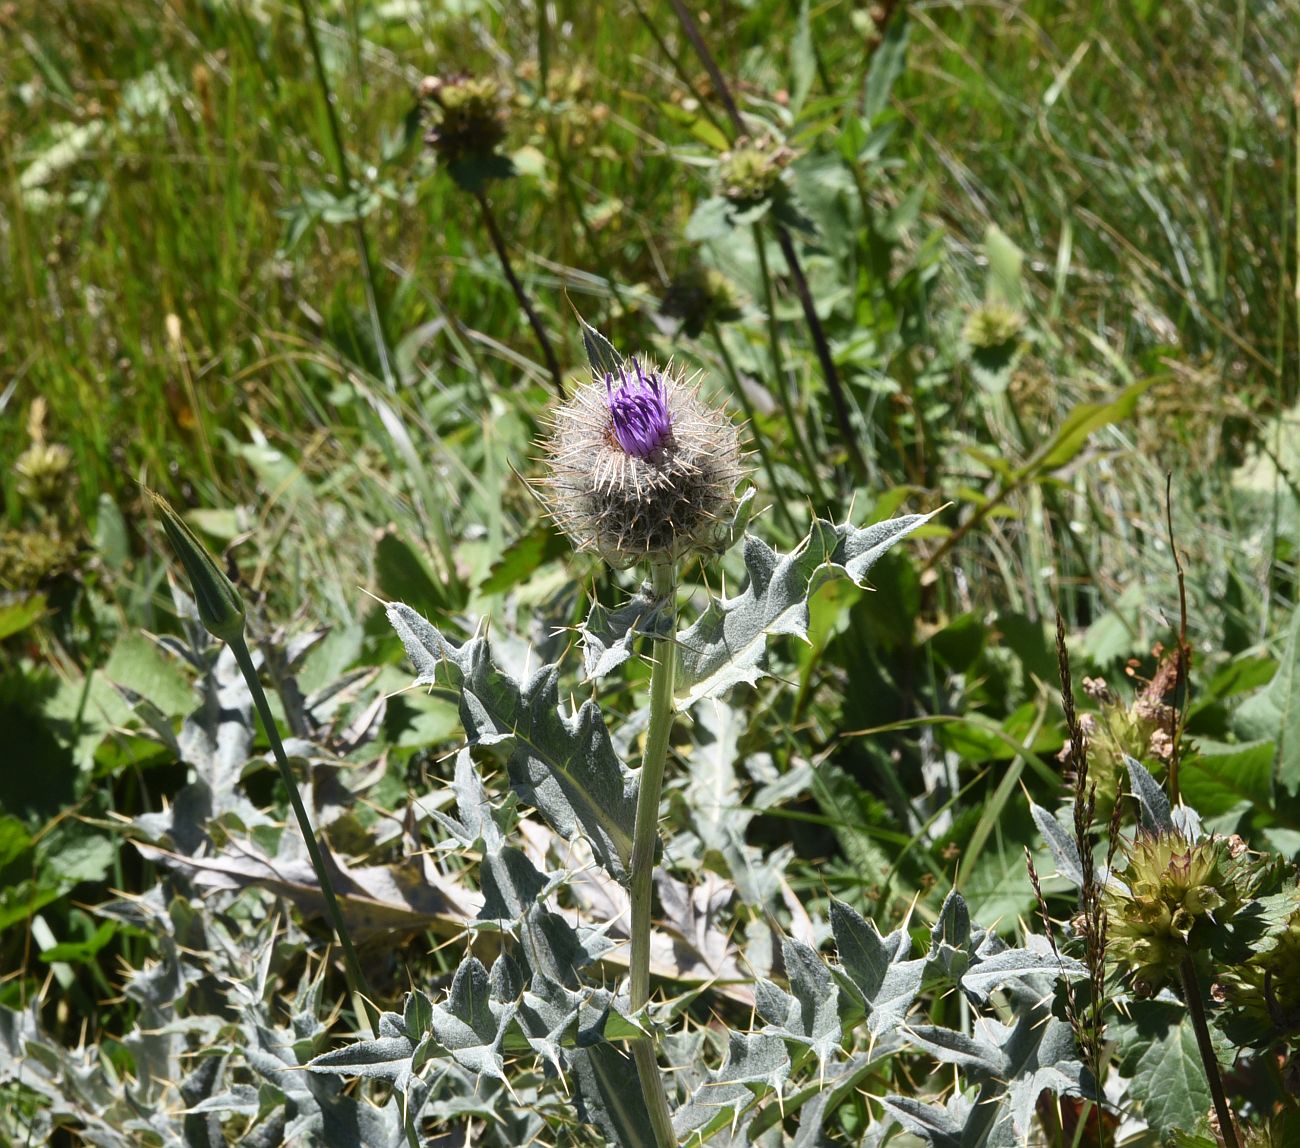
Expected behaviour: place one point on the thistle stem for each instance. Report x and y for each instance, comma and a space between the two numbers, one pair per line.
1195, 1006
352, 967
645, 838
499, 245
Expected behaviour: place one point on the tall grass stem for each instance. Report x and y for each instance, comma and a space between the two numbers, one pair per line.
345, 178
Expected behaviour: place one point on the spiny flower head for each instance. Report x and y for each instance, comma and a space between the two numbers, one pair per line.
467, 114
1170, 899
641, 466
992, 325
751, 171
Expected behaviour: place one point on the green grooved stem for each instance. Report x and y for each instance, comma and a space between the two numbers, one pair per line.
645, 838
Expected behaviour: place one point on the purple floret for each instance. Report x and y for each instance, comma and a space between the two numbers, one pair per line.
638, 406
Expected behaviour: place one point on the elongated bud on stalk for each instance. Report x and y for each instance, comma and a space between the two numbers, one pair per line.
642, 466
221, 610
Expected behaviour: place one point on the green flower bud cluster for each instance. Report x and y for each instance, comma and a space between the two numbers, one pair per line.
751, 172
1138, 729
1263, 992
1173, 897
467, 116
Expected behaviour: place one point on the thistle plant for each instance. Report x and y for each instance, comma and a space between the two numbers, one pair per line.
467, 124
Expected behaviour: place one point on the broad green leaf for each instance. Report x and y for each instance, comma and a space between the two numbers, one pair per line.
17, 615
137, 665
564, 765
803, 61
1274, 714
403, 576
886, 66
1080, 424
1219, 778
520, 560
1169, 1083
1005, 263
727, 644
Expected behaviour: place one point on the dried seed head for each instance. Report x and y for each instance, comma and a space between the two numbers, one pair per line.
467, 115
641, 466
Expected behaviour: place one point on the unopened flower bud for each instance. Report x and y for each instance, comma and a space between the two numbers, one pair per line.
221, 610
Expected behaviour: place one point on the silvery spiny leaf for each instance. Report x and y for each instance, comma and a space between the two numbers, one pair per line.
727, 644
564, 765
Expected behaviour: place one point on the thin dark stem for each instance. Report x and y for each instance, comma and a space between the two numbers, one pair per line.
499, 244
1178, 710
821, 344
739, 388
1195, 1006
778, 367
345, 178
720, 86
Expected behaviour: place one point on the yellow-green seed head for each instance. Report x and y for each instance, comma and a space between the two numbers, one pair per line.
1168, 901
751, 172
43, 474
992, 325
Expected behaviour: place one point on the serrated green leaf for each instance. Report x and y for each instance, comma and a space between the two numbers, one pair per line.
608, 635
1169, 1082
384, 1058
1274, 714
808, 1014
756, 1064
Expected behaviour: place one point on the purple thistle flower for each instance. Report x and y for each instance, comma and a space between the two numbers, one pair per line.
642, 466
638, 408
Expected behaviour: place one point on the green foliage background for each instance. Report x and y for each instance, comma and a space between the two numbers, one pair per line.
1052, 246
